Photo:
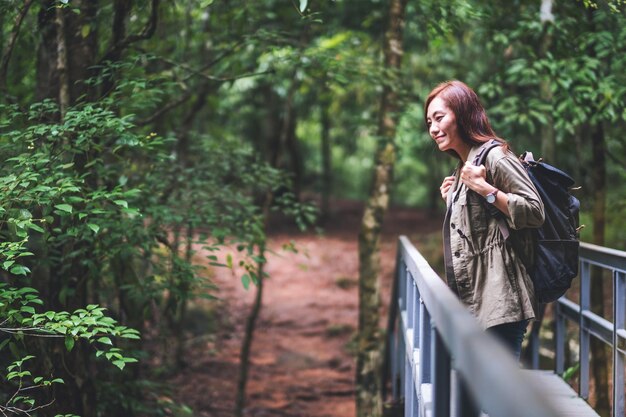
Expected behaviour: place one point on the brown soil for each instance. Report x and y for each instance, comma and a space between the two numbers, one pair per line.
301, 363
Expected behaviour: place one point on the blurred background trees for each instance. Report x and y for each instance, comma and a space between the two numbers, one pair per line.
132, 130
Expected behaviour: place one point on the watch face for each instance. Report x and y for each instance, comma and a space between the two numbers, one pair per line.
491, 198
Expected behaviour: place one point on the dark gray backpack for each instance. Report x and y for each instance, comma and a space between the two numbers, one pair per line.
557, 240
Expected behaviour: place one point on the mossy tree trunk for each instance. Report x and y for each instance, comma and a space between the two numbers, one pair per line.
600, 356
368, 375
548, 138
325, 121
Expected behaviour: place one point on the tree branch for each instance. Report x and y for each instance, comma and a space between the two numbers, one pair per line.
146, 33
148, 30
164, 109
200, 72
6, 56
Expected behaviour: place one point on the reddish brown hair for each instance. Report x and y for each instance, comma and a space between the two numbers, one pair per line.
472, 121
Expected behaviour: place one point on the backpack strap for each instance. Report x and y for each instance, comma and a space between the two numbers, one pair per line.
479, 160
481, 156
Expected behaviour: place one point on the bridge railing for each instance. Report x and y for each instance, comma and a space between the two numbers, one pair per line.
440, 360
591, 324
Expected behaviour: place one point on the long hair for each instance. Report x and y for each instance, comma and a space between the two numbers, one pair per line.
472, 121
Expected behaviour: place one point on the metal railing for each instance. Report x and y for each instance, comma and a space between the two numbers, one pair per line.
440, 360
592, 325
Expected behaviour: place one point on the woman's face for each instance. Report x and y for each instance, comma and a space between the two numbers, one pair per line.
442, 126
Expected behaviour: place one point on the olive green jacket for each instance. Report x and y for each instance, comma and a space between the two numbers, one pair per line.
481, 267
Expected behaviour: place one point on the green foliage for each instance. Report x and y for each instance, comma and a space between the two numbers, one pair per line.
172, 144
24, 383
571, 372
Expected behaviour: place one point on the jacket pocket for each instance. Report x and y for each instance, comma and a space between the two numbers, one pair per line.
476, 217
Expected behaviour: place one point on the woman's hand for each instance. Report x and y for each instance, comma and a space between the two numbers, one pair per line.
445, 187
475, 178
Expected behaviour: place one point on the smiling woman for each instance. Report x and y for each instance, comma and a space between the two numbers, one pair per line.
442, 128
486, 270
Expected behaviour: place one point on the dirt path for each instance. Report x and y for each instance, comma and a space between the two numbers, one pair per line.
302, 363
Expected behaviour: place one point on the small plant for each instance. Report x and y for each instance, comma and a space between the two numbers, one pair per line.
571, 372
340, 329
345, 283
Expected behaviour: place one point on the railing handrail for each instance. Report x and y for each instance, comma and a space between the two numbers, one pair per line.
603, 256
592, 325
497, 384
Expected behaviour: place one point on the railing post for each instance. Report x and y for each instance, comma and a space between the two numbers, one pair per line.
394, 332
415, 323
425, 330
585, 334
534, 343
619, 322
408, 387
402, 364
402, 272
441, 376
410, 302
465, 404
417, 307
559, 339
395, 352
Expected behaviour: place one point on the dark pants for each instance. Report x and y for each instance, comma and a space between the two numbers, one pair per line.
511, 334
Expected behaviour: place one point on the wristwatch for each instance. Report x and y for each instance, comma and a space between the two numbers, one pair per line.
491, 197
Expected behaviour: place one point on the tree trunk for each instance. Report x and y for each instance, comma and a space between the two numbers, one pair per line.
295, 157
278, 140
548, 139
368, 378
65, 56
326, 152
244, 356
47, 83
600, 357
8, 51
62, 71
246, 346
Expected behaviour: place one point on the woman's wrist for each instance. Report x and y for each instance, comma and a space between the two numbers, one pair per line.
484, 188
490, 190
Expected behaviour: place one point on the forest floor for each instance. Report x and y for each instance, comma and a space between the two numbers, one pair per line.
302, 362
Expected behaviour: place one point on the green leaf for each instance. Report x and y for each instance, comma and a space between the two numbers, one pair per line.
4, 343
36, 227
105, 340
303, 4
85, 30
245, 280
122, 203
19, 270
64, 207
69, 343
571, 371
93, 227
28, 309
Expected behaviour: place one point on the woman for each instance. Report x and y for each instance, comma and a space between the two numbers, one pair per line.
481, 266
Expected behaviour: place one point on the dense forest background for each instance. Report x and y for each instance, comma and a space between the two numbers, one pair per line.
132, 130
